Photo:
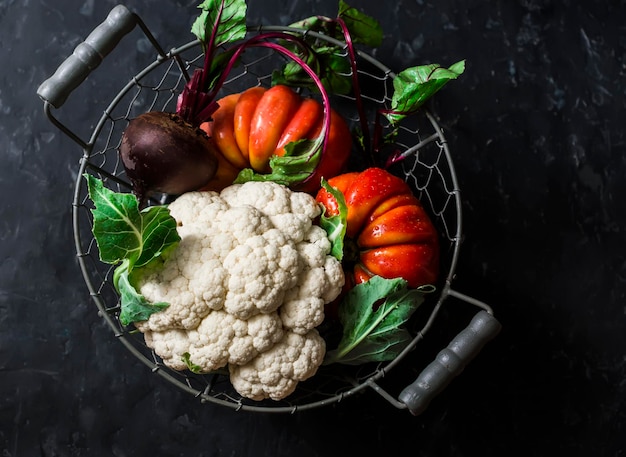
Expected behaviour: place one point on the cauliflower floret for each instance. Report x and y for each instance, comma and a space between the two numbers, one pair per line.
246, 286
315, 253
335, 279
275, 373
320, 282
270, 199
303, 309
192, 282
198, 208
170, 345
220, 338
294, 226
292, 212
260, 272
242, 222
303, 204
317, 246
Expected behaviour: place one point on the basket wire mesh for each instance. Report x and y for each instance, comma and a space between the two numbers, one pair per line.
427, 166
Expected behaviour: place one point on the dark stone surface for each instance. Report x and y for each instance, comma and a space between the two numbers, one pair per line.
536, 129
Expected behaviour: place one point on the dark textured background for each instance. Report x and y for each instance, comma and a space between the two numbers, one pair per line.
536, 128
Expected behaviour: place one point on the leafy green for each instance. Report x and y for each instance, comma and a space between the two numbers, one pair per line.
373, 315
335, 226
221, 22
413, 86
363, 28
224, 20
132, 239
329, 61
134, 306
299, 162
332, 68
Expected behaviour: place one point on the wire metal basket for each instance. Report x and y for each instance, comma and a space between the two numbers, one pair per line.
427, 167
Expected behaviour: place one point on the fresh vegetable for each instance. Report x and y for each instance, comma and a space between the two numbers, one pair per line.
245, 285
131, 239
373, 316
163, 153
413, 86
251, 127
388, 232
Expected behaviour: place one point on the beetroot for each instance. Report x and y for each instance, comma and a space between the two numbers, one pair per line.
162, 153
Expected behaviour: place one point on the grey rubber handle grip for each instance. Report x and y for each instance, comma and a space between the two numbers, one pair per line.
450, 362
87, 56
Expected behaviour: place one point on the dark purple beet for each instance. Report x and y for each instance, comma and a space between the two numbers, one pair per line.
162, 153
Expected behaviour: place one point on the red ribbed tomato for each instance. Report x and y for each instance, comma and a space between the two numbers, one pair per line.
250, 127
388, 232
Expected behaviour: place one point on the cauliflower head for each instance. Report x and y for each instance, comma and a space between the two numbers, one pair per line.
246, 288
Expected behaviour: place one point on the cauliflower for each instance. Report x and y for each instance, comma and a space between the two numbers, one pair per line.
275, 373
220, 338
246, 288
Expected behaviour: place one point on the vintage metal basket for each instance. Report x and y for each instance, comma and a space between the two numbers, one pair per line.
427, 167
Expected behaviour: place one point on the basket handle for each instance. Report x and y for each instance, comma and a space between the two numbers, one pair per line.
450, 362
87, 56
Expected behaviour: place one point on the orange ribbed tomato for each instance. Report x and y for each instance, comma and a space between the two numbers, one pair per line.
388, 232
250, 127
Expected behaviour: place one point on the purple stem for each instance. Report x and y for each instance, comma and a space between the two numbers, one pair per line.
208, 56
356, 87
